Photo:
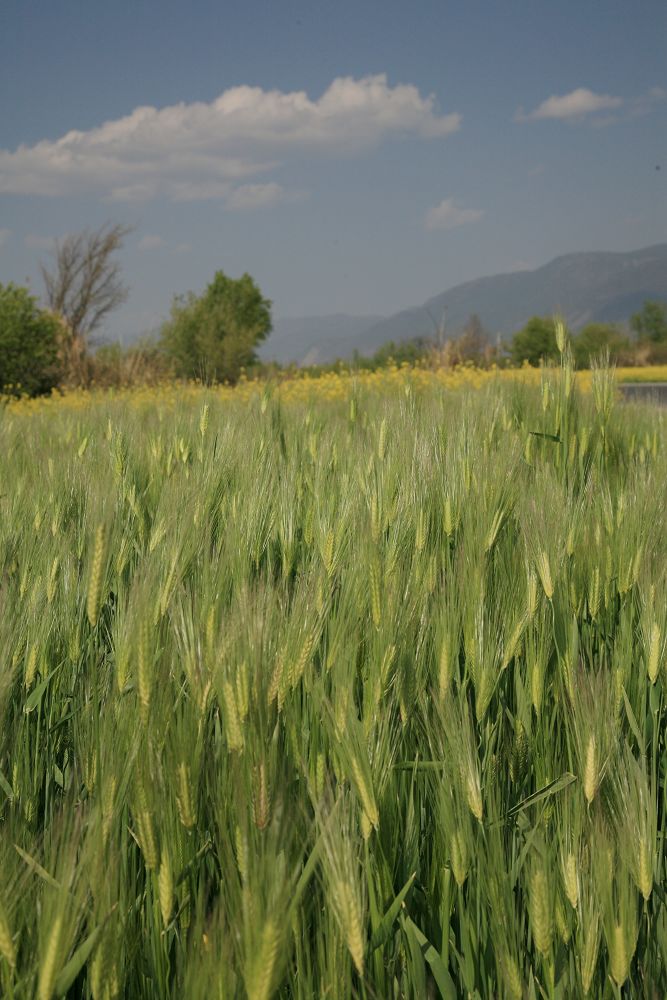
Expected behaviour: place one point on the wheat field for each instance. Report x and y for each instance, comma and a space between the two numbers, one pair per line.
351, 696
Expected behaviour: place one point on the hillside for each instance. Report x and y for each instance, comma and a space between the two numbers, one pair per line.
583, 287
312, 339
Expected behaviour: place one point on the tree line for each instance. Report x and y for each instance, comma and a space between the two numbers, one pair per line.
214, 336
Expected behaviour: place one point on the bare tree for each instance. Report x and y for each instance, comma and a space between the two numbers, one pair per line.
440, 328
84, 284
473, 343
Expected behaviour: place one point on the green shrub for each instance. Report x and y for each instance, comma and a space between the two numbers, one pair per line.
28, 344
650, 324
535, 342
596, 338
213, 336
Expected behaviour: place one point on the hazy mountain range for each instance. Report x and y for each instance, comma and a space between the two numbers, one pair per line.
583, 287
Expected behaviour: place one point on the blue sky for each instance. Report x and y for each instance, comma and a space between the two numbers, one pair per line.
353, 157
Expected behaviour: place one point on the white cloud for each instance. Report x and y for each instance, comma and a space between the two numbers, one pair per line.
448, 215
576, 104
150, 242
600, 109
203, 150
4, 236
255, 195
646, 103
250, 196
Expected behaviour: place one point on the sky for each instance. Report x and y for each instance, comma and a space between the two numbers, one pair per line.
355, 157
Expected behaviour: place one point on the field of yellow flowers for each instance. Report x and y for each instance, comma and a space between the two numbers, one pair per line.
333, 386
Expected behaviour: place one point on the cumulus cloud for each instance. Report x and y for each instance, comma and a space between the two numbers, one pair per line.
600, 109
577, 104
448, 215
207, 150
4, 236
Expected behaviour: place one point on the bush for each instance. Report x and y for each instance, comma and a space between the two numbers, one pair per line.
29, 340
597, 338
116, 366
535, 342
412, 352
650, 324
213, 336
656, 354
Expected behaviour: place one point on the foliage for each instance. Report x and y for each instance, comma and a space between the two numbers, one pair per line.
535, 342
29, 338
597, 338
141, 363
383, 715
650, 324
213, 336
414, 352
404, 352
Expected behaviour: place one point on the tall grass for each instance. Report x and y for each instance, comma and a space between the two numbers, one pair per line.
358, 698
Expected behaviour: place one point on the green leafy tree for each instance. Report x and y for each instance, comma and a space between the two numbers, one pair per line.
650, 324
596, 338
29, 342
535, 342
213, 336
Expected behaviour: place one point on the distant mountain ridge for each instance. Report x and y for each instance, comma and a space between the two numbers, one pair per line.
312, 339
584, 287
